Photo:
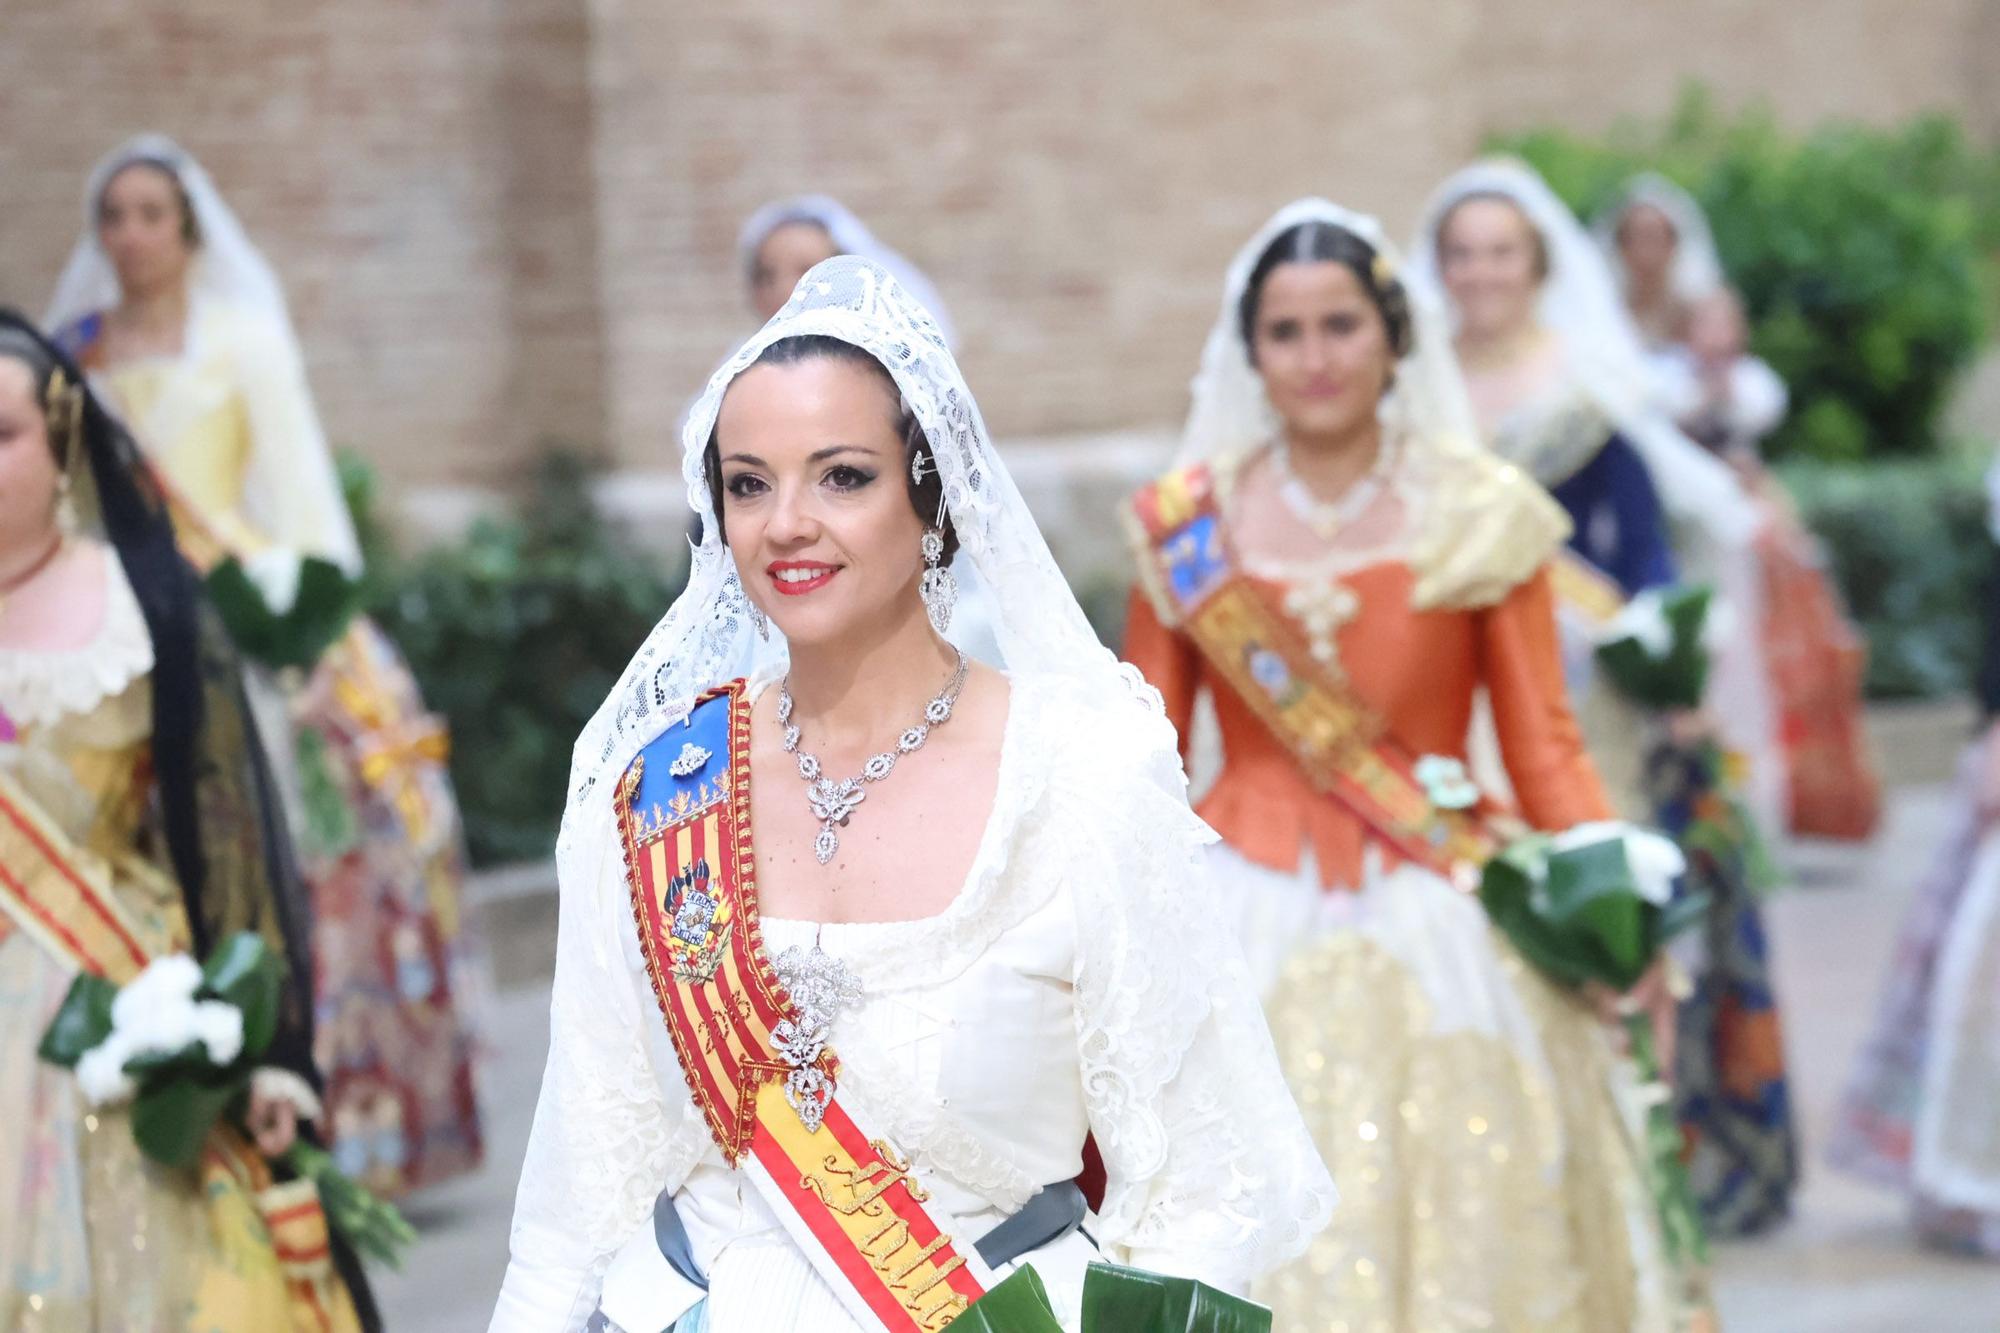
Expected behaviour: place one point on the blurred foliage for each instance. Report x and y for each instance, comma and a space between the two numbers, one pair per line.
1866, 256
516, 633
1907, 544
1103, 595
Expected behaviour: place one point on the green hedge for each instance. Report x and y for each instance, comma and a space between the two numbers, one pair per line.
1907, 544
1865, 255
516, 633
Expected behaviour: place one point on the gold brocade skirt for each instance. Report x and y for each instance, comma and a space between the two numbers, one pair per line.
94, 1238
1475, 1118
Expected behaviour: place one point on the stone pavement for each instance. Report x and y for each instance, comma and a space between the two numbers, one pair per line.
1845, 1264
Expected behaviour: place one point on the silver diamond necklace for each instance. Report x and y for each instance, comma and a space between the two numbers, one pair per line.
833, 802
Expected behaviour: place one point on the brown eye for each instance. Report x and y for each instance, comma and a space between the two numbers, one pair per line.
848, 478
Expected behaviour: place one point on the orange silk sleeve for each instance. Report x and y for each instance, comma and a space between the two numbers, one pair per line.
1521, 666
1166, 659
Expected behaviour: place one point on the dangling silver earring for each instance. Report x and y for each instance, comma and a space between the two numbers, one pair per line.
761, 621
938, 588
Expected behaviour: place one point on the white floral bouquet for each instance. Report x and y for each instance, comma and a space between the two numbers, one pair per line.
180, 1043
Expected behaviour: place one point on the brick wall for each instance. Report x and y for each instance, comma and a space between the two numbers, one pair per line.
503, 221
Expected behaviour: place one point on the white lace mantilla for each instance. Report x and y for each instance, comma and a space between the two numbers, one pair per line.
36, 688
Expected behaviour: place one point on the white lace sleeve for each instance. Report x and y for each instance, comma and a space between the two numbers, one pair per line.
1211, 1173
606, 1139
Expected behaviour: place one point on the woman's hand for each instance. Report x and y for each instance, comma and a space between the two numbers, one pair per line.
274, 1122
1689, 727
1654, 997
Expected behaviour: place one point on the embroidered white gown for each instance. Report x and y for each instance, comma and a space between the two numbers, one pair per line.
1075, 986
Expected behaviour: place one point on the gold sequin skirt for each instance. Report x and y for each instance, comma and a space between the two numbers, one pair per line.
1474, 1117
94, 1238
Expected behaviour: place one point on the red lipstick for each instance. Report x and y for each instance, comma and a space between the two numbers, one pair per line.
805, 576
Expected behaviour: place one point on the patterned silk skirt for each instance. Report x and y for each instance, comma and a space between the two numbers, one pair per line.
1730, 1086
381, 847
1919, 1112
1479, 1125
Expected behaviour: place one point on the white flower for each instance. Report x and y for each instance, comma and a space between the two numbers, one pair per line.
1654, 860
101, 1075
1643, 620
275, 571
1445, 782
283, 1085
218, 1026
168, 982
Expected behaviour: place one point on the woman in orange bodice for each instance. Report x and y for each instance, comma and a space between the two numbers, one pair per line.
1338, 557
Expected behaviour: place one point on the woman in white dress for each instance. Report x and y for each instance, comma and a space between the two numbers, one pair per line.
1006, 942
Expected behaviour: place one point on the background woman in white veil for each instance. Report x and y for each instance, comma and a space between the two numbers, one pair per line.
1335, 521
1561, 385
784, 238
183, 328
1007, 942
1662, 255
1659, 245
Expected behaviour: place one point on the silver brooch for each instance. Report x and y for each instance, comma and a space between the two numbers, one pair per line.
820, 987
691, 760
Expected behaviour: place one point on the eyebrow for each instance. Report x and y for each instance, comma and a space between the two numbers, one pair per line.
816, 456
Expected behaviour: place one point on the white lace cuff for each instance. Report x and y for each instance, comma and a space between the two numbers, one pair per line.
285, 1086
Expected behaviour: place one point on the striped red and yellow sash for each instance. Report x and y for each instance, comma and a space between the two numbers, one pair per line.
847, 1199
1341, 744
60, 898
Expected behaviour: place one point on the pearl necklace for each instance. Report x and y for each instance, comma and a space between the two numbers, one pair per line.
1324, 517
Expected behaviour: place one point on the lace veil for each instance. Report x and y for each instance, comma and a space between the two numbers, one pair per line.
706, 637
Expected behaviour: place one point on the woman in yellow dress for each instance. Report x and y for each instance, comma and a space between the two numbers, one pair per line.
136, 820
184, 329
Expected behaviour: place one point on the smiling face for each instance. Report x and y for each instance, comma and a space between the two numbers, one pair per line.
1322, 349
782, 260
29, 473
1491, 262
815, 503
142, 223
